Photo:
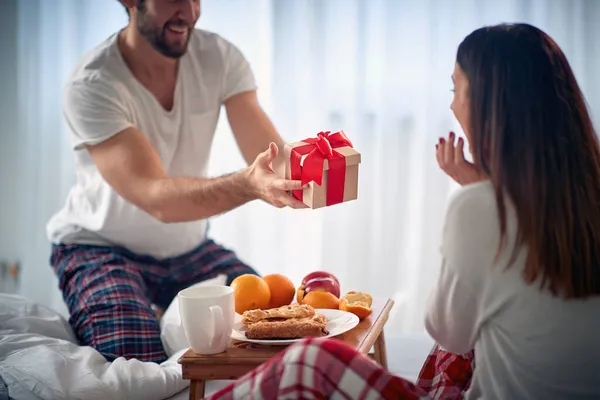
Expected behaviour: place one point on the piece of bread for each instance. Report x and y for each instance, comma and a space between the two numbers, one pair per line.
288, 328
285, 312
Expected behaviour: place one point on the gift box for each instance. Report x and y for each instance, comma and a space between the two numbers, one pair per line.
329, 164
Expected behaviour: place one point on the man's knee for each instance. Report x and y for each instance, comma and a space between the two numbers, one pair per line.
122, 330
109, 305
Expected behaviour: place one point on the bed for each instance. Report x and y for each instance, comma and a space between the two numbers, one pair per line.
40, 358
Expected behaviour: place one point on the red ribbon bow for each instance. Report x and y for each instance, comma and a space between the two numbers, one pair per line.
318, 149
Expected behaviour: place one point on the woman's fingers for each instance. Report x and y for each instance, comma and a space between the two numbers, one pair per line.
447, 154
446, 151
449, 150
459, 155
451, 160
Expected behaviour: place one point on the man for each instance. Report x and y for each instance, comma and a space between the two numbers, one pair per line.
142, 108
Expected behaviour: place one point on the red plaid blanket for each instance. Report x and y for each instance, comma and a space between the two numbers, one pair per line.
324, 369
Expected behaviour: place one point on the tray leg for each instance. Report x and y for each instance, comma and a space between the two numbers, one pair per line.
197, 389
380, 353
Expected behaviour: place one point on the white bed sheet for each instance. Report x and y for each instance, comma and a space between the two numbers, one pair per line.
41, 359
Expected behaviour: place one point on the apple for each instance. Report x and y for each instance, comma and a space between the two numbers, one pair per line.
322, 284
319, 274
318, 281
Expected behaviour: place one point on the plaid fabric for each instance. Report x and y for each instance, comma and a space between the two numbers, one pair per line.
446, 375
320, 369
109, 292
329, 369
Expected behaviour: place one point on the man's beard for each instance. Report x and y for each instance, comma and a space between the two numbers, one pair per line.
157, 36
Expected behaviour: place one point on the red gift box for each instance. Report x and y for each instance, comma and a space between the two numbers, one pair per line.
329, 164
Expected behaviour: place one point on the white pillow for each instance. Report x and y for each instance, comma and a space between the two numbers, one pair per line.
172, 333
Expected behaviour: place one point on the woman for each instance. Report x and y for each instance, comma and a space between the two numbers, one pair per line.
520, 276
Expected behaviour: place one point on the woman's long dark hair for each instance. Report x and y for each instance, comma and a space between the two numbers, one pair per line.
532, 135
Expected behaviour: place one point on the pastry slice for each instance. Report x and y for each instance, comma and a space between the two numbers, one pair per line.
285, 312
290, 328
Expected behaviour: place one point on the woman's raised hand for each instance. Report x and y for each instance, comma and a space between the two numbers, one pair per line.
451, 159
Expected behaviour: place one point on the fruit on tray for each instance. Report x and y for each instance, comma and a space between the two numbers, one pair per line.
320, 299
319, 289
250, 292
358, 303
319, 274
282, 290
318, 281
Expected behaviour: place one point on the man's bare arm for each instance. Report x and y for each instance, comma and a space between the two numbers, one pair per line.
252, 128
131, 166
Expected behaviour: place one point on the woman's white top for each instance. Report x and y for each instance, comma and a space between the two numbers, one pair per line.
528, 344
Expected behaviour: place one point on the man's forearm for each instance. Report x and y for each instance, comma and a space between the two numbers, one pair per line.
188, 199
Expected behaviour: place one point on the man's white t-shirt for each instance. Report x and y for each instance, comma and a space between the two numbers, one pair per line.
103, 98
528, 344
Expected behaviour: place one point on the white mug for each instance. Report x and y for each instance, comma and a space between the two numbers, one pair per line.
207, 315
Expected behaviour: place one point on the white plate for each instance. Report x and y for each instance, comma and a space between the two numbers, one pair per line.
338, 322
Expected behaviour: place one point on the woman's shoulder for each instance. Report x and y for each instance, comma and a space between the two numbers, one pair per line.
473, 200
472, 228
472, 222
472, 235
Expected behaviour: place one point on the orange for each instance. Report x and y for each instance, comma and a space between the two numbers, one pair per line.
282, 290
300, 294
321, 300
250, 292
357, 303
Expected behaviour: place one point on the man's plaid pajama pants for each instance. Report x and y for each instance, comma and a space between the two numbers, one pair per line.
110, 291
